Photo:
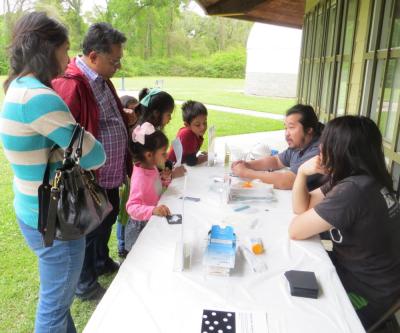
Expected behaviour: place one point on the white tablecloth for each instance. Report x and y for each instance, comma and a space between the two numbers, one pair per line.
148, 296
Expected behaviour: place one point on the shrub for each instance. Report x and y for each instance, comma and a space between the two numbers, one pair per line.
228, 64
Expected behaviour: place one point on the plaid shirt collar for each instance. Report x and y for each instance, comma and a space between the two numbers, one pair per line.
90, 73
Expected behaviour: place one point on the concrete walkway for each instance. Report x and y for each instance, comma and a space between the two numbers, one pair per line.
219, 108
274, 139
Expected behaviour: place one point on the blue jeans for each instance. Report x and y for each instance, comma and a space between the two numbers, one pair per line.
120, 236
59, 269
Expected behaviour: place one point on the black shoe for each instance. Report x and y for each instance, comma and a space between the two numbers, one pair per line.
110, 267
122, 253
95, 293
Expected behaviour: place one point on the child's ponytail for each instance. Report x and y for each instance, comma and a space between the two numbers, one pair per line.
153, 103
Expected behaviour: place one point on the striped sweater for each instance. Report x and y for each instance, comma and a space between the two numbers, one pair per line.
32, 120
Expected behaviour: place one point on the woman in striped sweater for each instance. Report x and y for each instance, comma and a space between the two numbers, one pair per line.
33, 119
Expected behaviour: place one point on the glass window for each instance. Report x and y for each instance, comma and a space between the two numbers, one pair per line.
325, 84
375, 25
318, 37
398, 145
329, 107
344, 78
377, 91
366, 89
315, 84
306, 80
350, 27
331, 30
396, 26
386, 25
391, 97
309, 37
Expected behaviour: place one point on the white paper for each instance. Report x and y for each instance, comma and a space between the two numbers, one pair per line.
178, 150
251, 322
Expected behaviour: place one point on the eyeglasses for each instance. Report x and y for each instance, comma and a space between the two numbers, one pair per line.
112, 62
115, 63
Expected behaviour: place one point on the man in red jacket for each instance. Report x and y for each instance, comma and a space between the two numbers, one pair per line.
90, 95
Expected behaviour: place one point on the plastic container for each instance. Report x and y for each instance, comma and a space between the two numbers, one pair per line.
255, 245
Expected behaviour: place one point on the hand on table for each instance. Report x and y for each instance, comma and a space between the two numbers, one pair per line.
240, 162
239, 169
203, 157
178, 171
161, 210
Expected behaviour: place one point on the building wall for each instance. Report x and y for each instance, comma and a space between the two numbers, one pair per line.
271, 84
272, 66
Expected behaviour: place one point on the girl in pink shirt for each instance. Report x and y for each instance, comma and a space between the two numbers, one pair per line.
149, 150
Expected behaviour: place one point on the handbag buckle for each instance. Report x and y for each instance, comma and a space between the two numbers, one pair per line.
57, 179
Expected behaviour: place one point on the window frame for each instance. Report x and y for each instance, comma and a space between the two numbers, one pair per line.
374, 55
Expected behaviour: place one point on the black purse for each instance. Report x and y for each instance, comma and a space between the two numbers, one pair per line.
75, 204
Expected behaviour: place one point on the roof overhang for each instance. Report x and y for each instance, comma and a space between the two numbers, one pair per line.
288, 13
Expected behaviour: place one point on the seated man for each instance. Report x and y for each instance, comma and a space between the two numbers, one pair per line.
302, 135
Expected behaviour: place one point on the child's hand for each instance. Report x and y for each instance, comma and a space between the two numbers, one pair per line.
203, 157
178, 172
166, 175
161, 210
131, 115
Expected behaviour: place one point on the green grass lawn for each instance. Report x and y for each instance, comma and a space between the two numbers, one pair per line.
225, 92
19, 280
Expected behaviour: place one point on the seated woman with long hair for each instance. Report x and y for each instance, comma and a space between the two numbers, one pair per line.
359, 208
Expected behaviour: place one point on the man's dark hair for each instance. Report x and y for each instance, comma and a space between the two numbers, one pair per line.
100, 38
35, 39
308, 118
352, 145
192, 109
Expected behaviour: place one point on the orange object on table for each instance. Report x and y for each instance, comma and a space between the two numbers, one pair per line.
247, 185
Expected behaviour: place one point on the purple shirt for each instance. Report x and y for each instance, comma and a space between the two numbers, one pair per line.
112, 131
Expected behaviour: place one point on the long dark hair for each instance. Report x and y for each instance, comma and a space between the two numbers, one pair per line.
158, 105
308, 119
352, 145
35, 39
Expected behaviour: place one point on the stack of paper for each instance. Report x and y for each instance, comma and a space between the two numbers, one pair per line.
219, 257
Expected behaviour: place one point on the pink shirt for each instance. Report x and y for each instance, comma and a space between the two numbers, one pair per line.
146, 189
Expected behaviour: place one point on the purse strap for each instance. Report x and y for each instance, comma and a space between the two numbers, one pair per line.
78, 131
51, 219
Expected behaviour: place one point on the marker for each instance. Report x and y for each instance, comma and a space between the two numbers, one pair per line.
239, 209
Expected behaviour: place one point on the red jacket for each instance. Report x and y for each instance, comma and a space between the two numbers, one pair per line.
75, 90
